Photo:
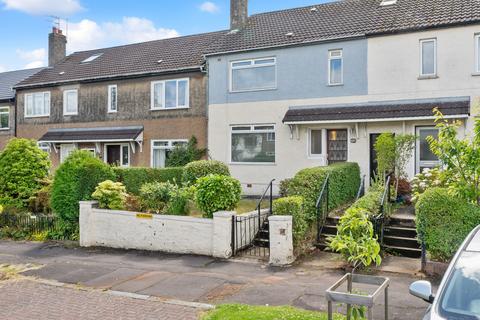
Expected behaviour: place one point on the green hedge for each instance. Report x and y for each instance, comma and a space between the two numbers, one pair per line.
135, 178
370, 202
343, 185
444, 221
292, 206
202, 168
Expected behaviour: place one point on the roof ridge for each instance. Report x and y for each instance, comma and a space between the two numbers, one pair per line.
332, 2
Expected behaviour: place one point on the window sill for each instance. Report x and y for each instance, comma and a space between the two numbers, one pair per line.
4, 129
428, 77
112, 111
70, 114
39, 116
166, 109
253, 163
335, 85
252, 90
476, 74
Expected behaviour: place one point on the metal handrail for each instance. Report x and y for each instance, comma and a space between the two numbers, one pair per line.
259, 203
322, 200
361, 188
379, 219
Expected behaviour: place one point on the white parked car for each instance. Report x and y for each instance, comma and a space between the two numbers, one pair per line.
458, 296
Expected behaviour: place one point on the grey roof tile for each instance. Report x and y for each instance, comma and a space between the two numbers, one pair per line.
9, 79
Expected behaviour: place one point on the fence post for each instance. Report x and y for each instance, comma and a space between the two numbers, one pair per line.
87, 228
222, 234
281, 240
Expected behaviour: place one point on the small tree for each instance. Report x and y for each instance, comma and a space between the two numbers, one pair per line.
460, 157
404, 146
182, 155
385, 149
23, 167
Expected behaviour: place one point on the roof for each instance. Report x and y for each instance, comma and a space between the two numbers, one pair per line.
346, 19
103, 134
376, 111
9, 79
180, 53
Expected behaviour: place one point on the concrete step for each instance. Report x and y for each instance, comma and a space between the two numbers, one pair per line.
264, 243
405, 252
402, 242
405, 232
401, 222
329, 229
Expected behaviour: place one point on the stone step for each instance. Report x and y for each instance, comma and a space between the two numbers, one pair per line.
329, 229
264, 243
402, 242
401, 222
405, 252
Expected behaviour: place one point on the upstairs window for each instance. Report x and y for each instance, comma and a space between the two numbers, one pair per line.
37, 104
170, 94
4, 118
112, 98
428, 57
70, 102
477, 53
254, 74
253, 144
335, 67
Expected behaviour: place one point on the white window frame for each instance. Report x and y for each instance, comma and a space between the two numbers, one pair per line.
252, 130
44, 146
65, 93
122, 145
7, 112
309, 144
252, 65
163, 95
477, 53
109, 107
71, 146
45, 94
434, 74
169, 146
419, 163
330, 58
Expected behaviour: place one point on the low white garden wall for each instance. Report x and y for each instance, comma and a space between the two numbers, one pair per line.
175, 234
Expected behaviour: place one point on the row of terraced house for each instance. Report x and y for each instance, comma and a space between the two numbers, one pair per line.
277, 92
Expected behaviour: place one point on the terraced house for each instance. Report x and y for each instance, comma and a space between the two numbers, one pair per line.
316, 85
129, 105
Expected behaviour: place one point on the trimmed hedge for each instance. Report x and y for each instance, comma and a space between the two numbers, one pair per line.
343, 185
444, 221
202, 168
370, 202
135, 178
292, 206
217, 193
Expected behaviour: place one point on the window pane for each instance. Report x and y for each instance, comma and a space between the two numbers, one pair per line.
241, 128
253, 147
428, 57
29, 104
158, 158
4, 120
264, 61
315, 142
157, 95
253, 78
46, 103
425, 153
38, 107
241, 64
125, 160
335, 71
71, 101
182, 93
170, 94
113, 98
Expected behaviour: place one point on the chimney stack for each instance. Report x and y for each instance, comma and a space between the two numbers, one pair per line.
238, 14
57, 46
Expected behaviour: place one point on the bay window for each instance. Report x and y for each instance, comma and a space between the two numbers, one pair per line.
253, 144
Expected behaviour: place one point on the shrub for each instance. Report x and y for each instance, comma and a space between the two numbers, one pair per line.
23, 166
385, 150
293, 206
197, 169
110, 195
135, 178
154, 196
427, 179
132, 203
343, 185
40, 202
75, 180
444, 221
284, 188
370, 203
178, 204
182, 155
216, 193
355, 239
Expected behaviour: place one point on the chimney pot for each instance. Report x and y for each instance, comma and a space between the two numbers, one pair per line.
57, 46
238, 14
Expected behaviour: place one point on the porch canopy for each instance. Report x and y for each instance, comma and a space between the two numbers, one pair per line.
400, 110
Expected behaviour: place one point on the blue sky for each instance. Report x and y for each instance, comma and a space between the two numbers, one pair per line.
25, 24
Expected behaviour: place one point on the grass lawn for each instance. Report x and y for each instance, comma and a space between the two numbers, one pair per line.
245, 312
244, 206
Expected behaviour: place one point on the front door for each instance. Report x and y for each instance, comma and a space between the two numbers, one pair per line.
337, 145
373, 155
113, 154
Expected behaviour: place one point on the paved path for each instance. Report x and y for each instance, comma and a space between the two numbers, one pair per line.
194, 278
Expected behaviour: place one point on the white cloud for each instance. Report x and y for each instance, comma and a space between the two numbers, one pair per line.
88, 34
209, 7
35, 58
44, 7
3, 68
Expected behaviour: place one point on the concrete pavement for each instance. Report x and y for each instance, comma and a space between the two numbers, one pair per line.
195, 278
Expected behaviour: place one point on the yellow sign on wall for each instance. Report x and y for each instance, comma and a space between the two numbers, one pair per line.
144, 216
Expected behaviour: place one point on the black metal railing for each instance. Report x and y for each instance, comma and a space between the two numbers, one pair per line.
361, 188
379, 219
30, 223
270, 200
321, 207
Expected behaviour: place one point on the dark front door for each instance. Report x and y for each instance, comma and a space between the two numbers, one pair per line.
113, 154
337, 145
373, 155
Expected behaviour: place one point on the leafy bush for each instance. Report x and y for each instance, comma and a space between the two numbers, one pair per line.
370, 203
284, 188
155, 196
197, 169
178, 204
110, 195
444, 221
293, 206
182, 155
75, 180
216, 193
385, 150
427, 179
132, 203
343, 185
135, 178
355, 239
23, 166
40, 201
